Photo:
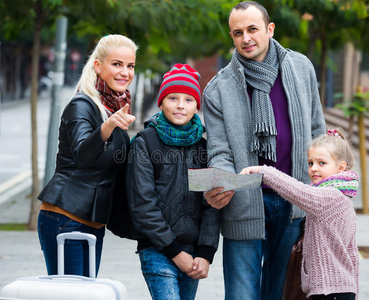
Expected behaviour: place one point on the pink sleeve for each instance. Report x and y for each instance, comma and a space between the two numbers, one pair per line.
312, 200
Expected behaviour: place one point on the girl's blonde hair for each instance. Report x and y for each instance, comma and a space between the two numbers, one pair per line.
87, 81
337, 145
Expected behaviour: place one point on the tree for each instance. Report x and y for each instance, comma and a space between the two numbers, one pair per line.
315, 27
165, 30
20, 16
358, 107
330, 29
320, 26
159, 27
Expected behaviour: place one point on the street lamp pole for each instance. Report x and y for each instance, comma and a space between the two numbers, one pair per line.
1, 85
58, 82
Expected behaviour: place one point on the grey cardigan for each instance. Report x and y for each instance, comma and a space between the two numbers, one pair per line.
227, 114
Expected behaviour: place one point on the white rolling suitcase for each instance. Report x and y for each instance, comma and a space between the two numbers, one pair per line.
66, 287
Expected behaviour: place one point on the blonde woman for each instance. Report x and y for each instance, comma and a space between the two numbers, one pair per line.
93, 144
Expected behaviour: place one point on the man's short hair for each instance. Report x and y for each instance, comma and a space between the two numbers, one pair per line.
246, 4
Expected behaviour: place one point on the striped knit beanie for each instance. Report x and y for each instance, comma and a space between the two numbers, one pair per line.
181, 79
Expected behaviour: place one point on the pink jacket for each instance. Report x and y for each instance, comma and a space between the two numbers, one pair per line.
330, 255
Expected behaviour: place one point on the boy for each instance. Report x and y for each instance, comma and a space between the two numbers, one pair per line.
179, 231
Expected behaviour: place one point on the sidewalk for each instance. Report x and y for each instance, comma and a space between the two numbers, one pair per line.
20, 256
20, 253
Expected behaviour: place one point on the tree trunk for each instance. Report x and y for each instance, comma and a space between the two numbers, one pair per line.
35, 205
310, 51
363, 155
350, 131
323, 69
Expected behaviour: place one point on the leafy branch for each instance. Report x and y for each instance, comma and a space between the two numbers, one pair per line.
357, 106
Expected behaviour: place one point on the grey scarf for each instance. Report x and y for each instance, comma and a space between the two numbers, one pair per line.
261, 77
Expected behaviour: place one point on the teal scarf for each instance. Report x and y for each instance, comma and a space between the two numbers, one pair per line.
174, 135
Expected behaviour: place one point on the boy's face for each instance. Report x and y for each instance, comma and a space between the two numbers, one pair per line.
179, 108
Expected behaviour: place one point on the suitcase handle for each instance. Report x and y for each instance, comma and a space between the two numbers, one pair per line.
51, 277
77, 235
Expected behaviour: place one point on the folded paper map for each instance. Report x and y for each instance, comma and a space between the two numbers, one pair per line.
209, 178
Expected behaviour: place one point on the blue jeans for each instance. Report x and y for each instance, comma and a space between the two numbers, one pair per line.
50, 224
255, 269
164, 279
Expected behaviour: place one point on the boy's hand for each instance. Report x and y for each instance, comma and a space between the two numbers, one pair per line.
217, 198
251, 170
183, 261
200, 268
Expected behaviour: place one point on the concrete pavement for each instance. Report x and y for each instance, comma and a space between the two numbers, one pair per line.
20, 256
20, 253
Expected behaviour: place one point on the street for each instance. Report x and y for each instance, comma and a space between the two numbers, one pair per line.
15, 139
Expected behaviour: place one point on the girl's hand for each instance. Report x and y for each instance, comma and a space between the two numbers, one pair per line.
217, 198
200, 268
250, 170
120, 118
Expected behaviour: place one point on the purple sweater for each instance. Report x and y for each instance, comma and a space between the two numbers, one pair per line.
284, 135
330, 255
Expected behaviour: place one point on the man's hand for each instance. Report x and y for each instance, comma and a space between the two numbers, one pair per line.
217, 198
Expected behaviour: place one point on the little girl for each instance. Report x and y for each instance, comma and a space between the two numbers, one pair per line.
330, 266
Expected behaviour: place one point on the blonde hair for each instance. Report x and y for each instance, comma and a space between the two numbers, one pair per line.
337, 145
87, 81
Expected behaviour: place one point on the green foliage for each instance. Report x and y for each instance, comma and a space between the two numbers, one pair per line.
13, 227
163, 29
178, 29
357, 106
300, 24
19, 17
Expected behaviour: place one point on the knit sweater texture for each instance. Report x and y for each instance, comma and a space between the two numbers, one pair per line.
228, 121
330, 255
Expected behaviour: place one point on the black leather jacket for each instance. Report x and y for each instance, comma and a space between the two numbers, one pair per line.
85, 164
164, 212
